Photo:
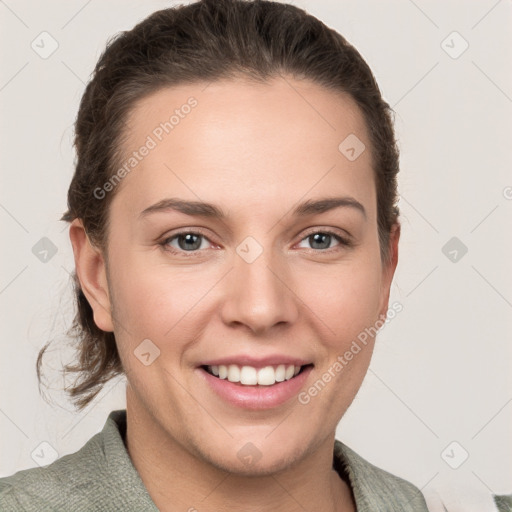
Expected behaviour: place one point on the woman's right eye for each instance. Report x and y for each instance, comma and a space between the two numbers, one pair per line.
186, 241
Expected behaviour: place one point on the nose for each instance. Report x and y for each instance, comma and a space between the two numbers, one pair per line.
259, 294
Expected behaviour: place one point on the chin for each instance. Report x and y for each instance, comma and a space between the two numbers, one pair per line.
264, 466
252, 458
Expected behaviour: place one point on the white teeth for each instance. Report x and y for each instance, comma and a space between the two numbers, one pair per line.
223, 371
266, 376
280, 373
233, 373
250, 376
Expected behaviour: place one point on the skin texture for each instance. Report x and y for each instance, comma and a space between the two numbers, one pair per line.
256, 151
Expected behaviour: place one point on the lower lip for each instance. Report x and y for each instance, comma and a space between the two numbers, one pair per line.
256, 397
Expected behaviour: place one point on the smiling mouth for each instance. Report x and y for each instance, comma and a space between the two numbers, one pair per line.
251, 376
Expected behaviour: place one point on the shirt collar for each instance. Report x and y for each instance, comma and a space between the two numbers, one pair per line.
372, 487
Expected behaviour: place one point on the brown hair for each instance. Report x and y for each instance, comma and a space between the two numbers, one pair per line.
204, 41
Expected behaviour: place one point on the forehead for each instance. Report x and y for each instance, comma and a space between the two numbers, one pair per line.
245, 142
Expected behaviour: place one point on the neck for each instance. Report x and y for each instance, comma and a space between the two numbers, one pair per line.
179, 480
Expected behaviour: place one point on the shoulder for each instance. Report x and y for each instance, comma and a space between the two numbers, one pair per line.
375, 488
503, 502
98, 477
64, 483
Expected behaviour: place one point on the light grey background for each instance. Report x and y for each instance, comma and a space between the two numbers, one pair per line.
441, 369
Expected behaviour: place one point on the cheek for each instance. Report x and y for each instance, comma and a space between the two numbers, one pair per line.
156, 300
346, 298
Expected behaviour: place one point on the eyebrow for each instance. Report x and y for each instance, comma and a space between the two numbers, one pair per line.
202, 209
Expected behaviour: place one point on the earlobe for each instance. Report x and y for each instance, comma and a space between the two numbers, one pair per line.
92, 275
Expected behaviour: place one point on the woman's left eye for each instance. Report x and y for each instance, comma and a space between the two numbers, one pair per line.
322, 240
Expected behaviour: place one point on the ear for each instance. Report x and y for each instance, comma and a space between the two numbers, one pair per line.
92, 274
388, 269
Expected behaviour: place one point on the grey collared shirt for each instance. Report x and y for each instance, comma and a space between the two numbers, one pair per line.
101, 477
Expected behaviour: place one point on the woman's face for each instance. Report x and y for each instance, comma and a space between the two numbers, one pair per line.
274, 281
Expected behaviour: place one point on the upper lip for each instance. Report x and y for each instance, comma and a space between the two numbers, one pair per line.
256, 362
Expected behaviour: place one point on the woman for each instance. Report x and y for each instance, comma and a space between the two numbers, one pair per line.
235, 232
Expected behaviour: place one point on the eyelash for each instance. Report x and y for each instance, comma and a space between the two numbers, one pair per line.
345, 242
